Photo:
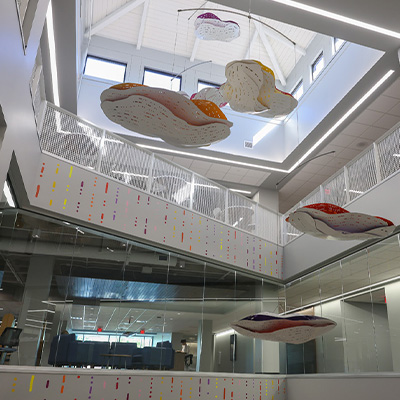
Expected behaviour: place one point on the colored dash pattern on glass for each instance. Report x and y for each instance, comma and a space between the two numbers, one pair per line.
82, 194
128, 386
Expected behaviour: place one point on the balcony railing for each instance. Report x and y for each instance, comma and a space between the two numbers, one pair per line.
64, 135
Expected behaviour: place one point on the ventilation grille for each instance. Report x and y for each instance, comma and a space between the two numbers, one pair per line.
248, 145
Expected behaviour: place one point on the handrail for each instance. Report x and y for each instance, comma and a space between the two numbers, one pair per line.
69, 137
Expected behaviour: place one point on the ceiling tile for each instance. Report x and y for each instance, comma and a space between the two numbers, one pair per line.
211, 174
383, 104
354, 129
343, 140
348, 154
238, 171
387, 121
368, 117
373, 133
229, 177
185, 162
248, 180
219, 167
360, 143
395, 110
200, 164
394, 90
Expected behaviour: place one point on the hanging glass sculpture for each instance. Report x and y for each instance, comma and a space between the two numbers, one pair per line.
250, 88
209, 27
166, 114
328, 221
294, 328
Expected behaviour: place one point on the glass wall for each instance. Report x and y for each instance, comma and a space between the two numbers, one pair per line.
82, 298
361, 293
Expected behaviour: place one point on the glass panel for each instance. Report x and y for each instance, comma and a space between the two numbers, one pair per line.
162, 80
105, 69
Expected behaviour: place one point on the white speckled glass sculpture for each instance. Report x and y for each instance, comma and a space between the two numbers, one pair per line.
250, 88
328, 221
294, 328
165, 114
209, 27
210, 94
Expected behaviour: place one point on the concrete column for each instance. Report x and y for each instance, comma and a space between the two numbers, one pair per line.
34, 318
268, 198
392, 292
204, 346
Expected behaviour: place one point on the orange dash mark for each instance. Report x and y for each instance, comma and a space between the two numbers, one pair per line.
62, 389
37, 191
182, 237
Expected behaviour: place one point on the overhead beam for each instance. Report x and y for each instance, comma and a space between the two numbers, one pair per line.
253, 39
118, 13
194, 51
271, 53
142, 24
282, 39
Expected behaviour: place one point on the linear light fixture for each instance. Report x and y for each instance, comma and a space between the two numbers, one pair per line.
223, 160
8, 195
52, 51
229, 331
338, 17
240, 191
343, 118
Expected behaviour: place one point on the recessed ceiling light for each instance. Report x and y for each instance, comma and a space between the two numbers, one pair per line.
240, 191
338, 17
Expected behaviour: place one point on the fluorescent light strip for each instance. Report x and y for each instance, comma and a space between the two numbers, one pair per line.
344, 117
240, 191
338, 17
229, 331
7, 193
183, 153
52, 50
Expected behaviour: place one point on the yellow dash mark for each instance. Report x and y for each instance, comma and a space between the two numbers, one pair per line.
70, 171
31, 384
57, 168
51, 202
54, 184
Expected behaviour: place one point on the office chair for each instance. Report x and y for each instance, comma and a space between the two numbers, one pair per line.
9, 339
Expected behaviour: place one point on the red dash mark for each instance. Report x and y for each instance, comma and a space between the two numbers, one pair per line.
224, 393
62, 389
182, 237
37, 191
106, 187
116, 386
102, 216
47, 384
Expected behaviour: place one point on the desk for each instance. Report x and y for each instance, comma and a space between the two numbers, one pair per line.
118, 357
179, 361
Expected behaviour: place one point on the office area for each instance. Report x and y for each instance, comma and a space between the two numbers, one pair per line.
93, 293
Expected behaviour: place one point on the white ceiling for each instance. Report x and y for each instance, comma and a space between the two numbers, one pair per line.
164, 29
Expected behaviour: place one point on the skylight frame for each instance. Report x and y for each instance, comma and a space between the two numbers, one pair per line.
164, 74
317, 66
109, 63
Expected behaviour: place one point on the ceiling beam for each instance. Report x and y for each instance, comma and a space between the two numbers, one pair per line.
118, 13
271, 53
282, 39
194, 51
253, 39
142, 24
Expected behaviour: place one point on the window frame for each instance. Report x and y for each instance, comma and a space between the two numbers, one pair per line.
164, 73
208, 84
298, 85
107, 60
337, 48
316, 61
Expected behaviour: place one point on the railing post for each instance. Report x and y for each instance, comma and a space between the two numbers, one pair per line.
256, 211
101, 148
226, 216
377, 163
322, 193
150, 177
191, 192
346, 184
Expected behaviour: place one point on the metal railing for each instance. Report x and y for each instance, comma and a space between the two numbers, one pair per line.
376, 163
67, 136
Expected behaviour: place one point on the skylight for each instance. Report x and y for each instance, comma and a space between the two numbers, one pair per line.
317, 66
